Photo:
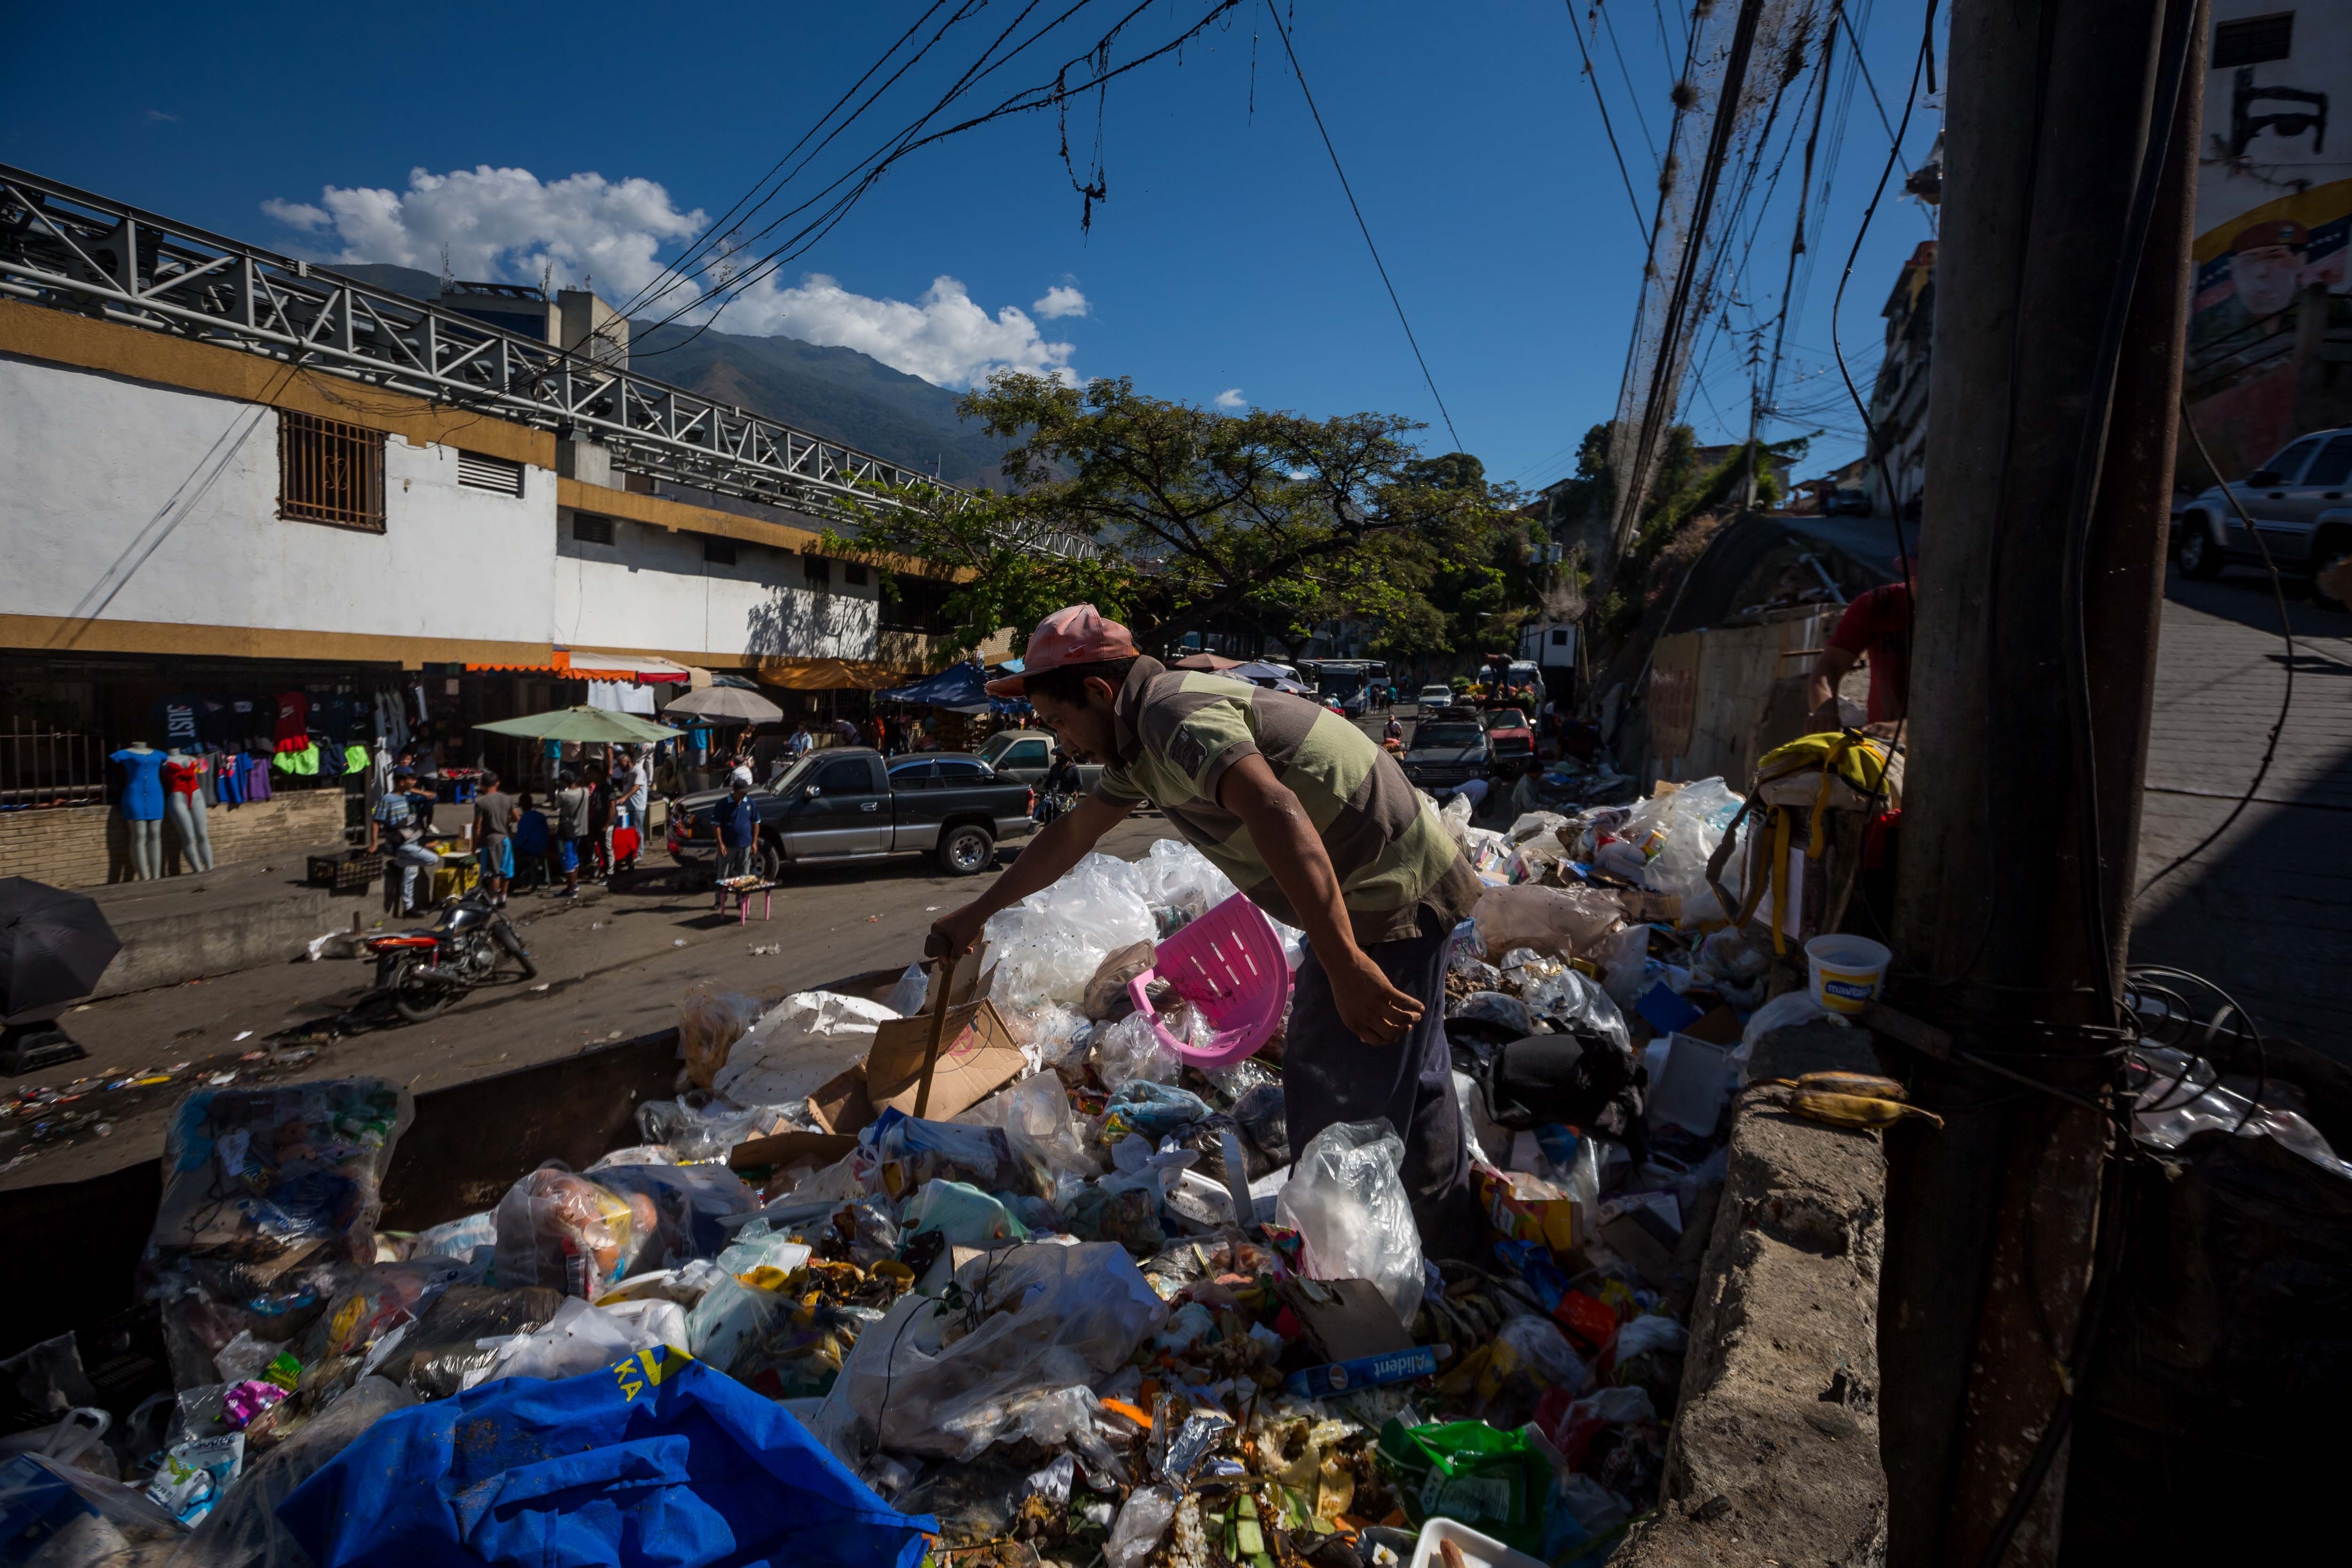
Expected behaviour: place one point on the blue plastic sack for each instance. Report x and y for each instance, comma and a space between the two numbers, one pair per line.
1155, 1109
658, 1461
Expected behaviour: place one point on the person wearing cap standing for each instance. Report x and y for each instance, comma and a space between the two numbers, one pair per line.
1320, 828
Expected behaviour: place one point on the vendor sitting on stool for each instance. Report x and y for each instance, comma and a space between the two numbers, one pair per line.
1247, 775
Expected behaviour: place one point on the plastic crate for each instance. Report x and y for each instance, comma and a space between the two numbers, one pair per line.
345, 873
1228, 964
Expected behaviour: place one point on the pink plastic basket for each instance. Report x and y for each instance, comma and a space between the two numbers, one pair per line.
1228, 964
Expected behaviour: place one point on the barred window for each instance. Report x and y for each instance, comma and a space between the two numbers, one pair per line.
818, 573
717, 551
330, 472
590, 529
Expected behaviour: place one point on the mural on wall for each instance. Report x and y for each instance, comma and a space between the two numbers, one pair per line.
2270, 328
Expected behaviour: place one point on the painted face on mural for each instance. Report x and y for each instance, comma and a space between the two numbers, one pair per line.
2266, 278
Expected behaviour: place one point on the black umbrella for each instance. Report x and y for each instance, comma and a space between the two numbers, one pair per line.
53, 946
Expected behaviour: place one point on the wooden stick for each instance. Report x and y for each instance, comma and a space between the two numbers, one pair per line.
942, 981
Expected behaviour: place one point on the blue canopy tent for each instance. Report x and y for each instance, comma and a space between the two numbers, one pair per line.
959, 688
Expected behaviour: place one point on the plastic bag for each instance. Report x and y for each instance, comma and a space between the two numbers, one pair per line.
1561, 920
1263, 1114
909, 1152
469, 1241
1036, 1115
564, 1230
1624, 958
1346, 1198
905, 997
691, 1204
1570, 998
1050, 945
271, 1196
432, 1356
1049, 1318
961, 1213
1676, 831
1154, 1110
1507, 1015
1176, 876
1529, 1356
1130, 1049
709, 1025
1142, 1520
797, 1045
1789, 1008
579, 1338
52, 1513
242, 1530
700, 1127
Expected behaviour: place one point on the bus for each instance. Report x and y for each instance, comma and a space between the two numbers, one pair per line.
1347, 681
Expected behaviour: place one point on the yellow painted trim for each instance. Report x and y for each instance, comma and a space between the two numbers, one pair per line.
685, 517
60, 633
60, 337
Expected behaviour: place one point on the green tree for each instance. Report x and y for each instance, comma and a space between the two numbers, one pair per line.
1175, 517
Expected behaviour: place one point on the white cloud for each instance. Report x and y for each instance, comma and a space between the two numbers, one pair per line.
506, 225
1231, 398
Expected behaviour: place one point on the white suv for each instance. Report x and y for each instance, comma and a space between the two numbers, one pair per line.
2300, 501
1435, 699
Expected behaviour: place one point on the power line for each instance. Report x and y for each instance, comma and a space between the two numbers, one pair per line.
1366, 229
1640, 119
1610, 130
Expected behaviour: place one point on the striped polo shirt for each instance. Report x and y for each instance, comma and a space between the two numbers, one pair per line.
1179, 730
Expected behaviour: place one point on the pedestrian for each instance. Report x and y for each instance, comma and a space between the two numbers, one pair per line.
1525, 794
1875, 629
1394, 731
802, 740
739, 837
845, 733
1474, 791
402, 830
571, 828
600, 819
1320, 828
739, 770
640, 797
532, 840
494, 816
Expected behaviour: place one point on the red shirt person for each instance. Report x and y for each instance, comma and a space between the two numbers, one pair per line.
1875, 628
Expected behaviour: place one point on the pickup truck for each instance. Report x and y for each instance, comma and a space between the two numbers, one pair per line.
1447, 750
848, 804
1025, 754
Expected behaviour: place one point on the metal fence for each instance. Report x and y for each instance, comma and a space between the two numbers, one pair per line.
45, 767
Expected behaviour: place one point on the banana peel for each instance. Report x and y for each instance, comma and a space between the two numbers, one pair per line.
1860, 1111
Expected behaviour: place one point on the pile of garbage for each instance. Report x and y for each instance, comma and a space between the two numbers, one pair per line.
1094, 1302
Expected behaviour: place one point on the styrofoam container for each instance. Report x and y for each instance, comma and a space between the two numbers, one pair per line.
1699, 1077
1847, 971
1477, 1551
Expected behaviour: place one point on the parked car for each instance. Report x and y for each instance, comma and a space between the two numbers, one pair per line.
1435, 699
1510, 738
2299, 501
1446, 750
847, 803
1025, 754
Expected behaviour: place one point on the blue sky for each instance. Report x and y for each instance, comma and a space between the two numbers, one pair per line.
1223, 260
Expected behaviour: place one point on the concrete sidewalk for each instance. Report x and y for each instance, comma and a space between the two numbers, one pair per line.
179, 929
2265, 910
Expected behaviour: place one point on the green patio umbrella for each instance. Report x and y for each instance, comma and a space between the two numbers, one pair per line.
582, 723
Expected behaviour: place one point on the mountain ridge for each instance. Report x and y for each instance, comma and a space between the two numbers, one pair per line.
841, 393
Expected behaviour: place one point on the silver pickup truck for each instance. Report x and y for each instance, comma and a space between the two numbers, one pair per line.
1025, 754
848, 804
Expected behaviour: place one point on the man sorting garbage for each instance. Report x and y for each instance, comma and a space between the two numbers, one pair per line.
1318, 826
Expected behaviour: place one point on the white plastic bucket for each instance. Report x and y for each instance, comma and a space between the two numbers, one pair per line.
1846, 970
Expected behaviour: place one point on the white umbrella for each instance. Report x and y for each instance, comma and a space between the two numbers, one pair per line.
732, 703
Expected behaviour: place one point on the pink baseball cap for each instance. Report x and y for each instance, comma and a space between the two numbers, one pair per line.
1078, 635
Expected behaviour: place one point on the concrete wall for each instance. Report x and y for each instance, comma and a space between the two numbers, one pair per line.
83, 846
1773, 1456
652, 588
132, 501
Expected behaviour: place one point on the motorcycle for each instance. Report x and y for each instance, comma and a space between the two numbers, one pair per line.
420, 971
1050, 806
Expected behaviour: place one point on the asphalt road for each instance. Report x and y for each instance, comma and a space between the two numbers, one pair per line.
611, 965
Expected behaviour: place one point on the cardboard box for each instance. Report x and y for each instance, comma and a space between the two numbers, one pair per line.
978, 1056
789, 1149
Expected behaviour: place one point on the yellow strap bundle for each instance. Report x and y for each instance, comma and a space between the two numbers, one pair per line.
1833, 769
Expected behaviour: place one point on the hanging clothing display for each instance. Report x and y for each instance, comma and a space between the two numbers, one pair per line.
303, 762
143, 784
621, 697
293, 733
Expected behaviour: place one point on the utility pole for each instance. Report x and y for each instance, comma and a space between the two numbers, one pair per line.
2062, 286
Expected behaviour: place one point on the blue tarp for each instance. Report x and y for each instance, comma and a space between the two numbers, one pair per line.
956, 686
659, 1460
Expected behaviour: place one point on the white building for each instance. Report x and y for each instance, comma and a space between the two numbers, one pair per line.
228, 477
